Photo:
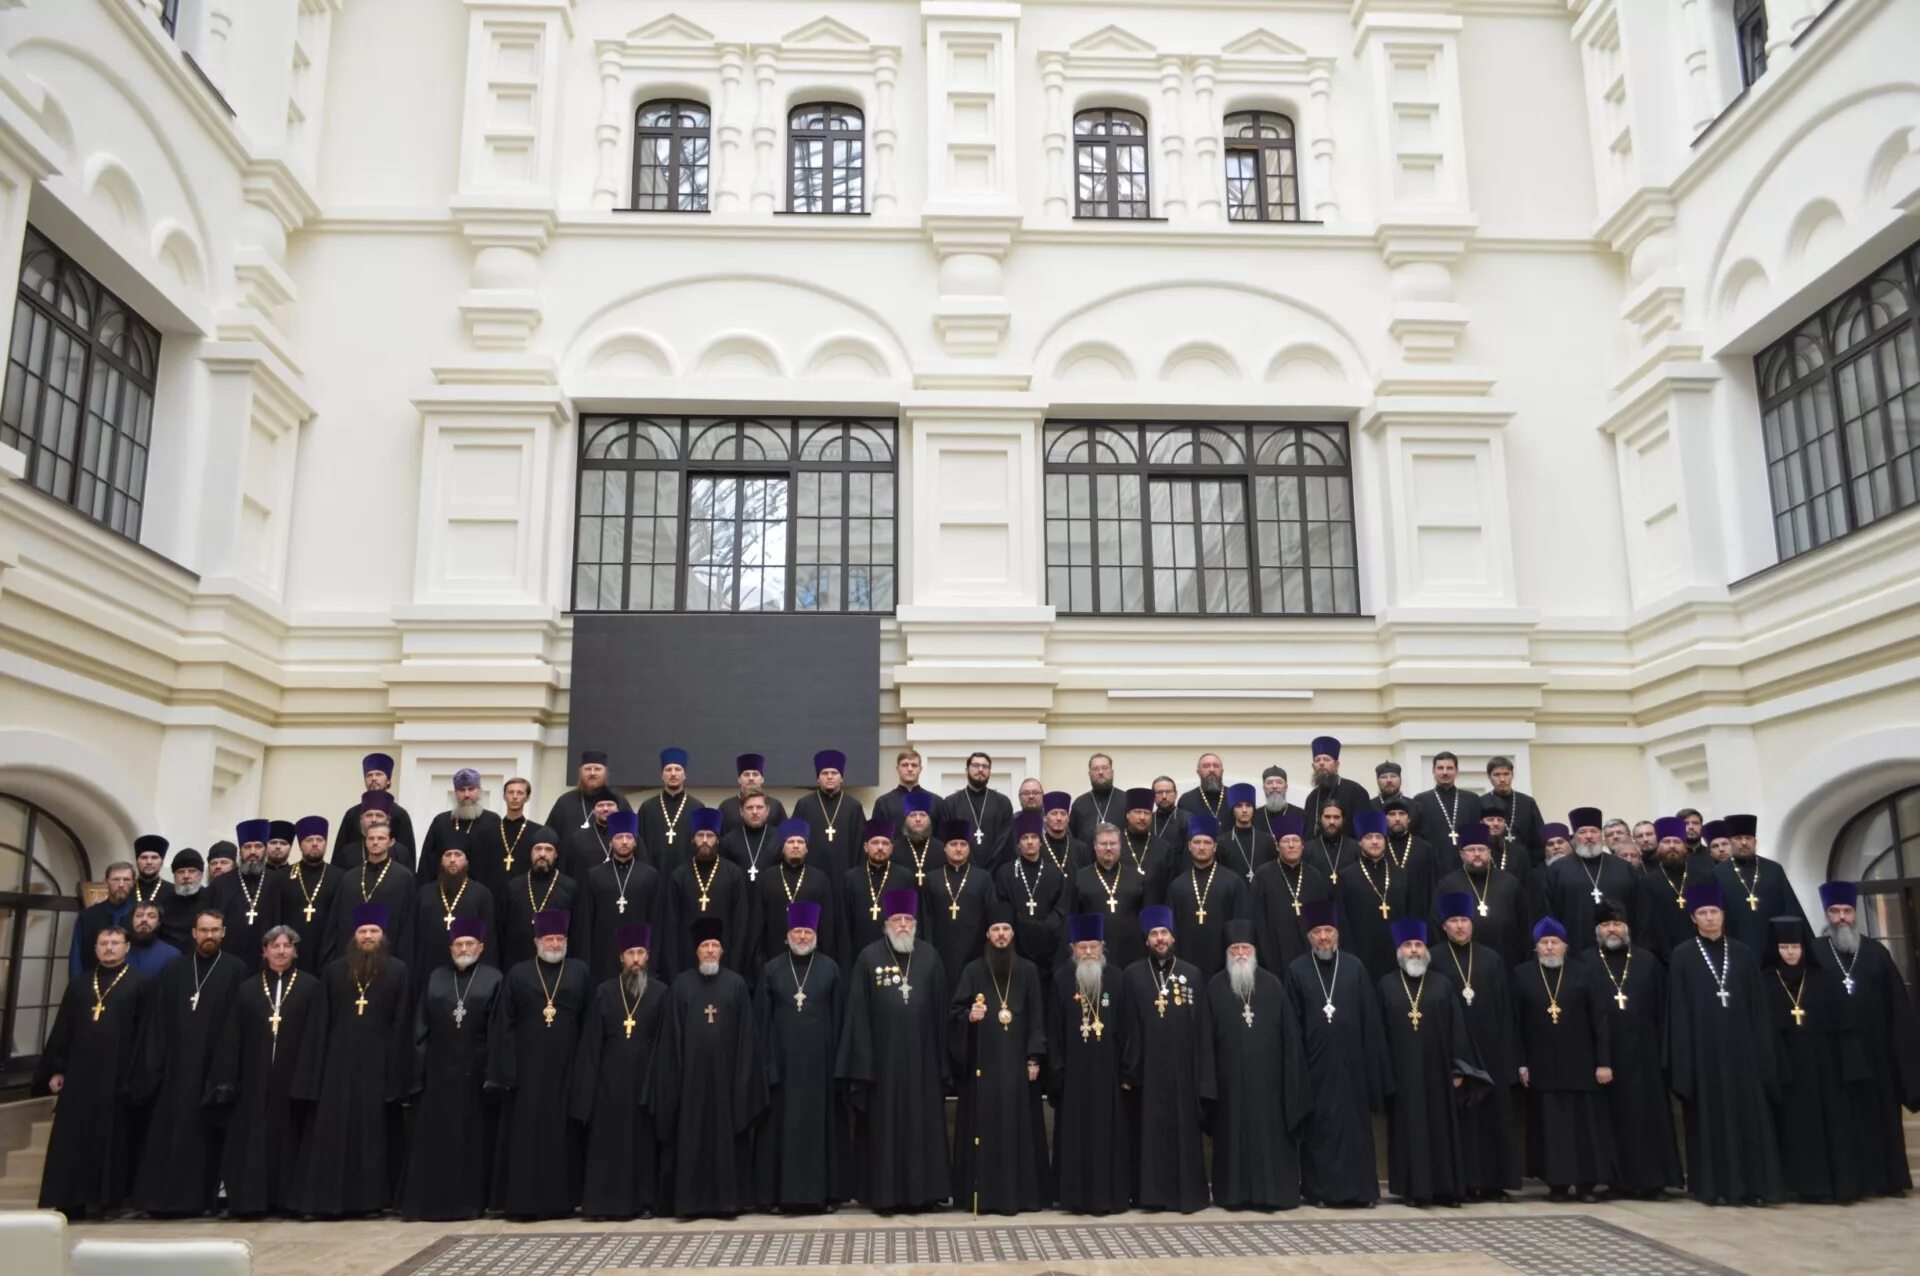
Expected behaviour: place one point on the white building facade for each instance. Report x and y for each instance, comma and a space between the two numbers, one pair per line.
1431, 368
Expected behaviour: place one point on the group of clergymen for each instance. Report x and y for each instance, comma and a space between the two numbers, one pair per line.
705, 1011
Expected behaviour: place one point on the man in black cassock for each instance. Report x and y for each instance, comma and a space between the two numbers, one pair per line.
1158, 856
1755, 888
750, 839
1566, 1060
250, 1083
356, 1065
1502, 919
1066, 852
1575, 885
1261, 1080
1443, 814
622, 1079
1035, 889
1280, 894
1348, 1072
542, 888
1114, 888
535, 1033
189, 896
1092, 1122
376, 771
667, 820
1244, 843
1489, 1157
789, 877
1330, 848
452, 896
1889, 1039
988, 810
1660, 916
623, 889
1167, 820
1167, 1064
801, 1154
1820, 1064
1639, 1107
1208, 796
719, 1076
751, 771
999, 1040
913, 842
862, 919
1329, 787
592, 842
1205, 895
308, 889
572, 809
248, 897
378, 879
150, 886
452, 827
835, 818
955, 898
1098, 805
703, 886
1434, 1062
455, 1121
1413, 858
890, 806
1372, 897
496, 848
193, 997
100, 1064
892, 1062
1720, 1056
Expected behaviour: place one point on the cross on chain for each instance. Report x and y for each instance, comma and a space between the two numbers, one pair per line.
1620, 1000
1799, 1017
360, 1004
711, 1011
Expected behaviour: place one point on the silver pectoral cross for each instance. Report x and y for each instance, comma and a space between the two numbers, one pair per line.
193, 1002
1596, 894
1466, 994
1723, 994
459, 1014
1246, 1013
620, 905
753, 872
1327, 1010
800, 999
906, 991
979, 836
1847, 983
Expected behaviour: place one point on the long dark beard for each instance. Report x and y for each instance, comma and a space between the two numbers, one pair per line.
542, 871
1325, 781
634, 983
365, 967
1000, 960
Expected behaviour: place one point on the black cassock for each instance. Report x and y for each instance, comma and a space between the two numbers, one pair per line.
356, 1065
1000, 1133
1348, 1074
1569, 1134
432, 950
661, 815
527, 894
304, 886
1092, 809
801, 1157
180, 1162
1335, 858
1489, 1152
392, 884
1507, 925
571, 810
598, 913
953, 913
1069, 854
991, 814
1262, 1088
730, 820
724, 887
582, 849
1820, 1065
1039, 931
1427, 1057
1661, 919
893, 1063
621, 1080
494, 838
1117, 894
251, 1085
1092, 1121
779, 886
1889, 1030
721, 1090
756, 851
839, 851
444, 830
110, 1067
1414, 861
347, 832
1639, 1105
176, 911
891, 805
537, 1165
1279, 936
1768, 883
1224, 895
860, 914
1167, 1061
1349, 793
1569, 883
1363, 886
454, 1119
1722, 1065
1247, 850
235, 896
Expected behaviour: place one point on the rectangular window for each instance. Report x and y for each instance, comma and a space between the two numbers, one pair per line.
1221, 519
79, 392
735, 514
1750, 37
1840, 411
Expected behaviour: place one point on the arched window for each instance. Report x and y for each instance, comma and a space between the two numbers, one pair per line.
1110, 164
1880, 849
42, 865
1263, 172
826, 159
671, 143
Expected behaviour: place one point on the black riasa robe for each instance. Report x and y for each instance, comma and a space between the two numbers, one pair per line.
537, 1166
1039, 931
1118, 894
180, 1160
443, 830
1820, 1064
251, 1086
1770, 886
991, 814
721, 1090
893, 1062
1364, 933
1639, 1106
454, 1121
1205, 943
1349, 1074
302, 886
1279, 936
571, 810
727, 899
1090, 810
527, 894
355, 1067
1414, 861
621, 1082
109, 1069
1889, 1029
960, 938
1092, 1123
235, 897
1507, 925
598, 913
1489, 1151
1261, 1081
1423, 1124
493, 839
583, 848
1661, 919
432, 950
1569, 1134
661, 815
395, 887
731, 822
1000, 1133
1246, 850
841, 851
1167, 1061
780, 885
861, 919
1722, 1065
347, 832
1568, 885
801, 1156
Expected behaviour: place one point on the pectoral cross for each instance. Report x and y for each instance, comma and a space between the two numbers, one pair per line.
829, 832
627, 1023
1296, 908
1723, 994
703, 901
669, 837
459, 1013
548, 1013
1847, 983
1113, 905
1201, 916
273, 1022
1753, 901
1596, 894
1031, 905
620, 905
874, 912
1160, 1003
953, 910
800, 999
98, 1006
1799, 1017
753, 872
193, 1002
508, 863
1620, 1000
1246, 1013
1466, 994
448, 919
1414, 1017
1453, 836
1086, 1029
1327, 1010
906, 990
251, 914
1385, 909
711, 1011
308, 910
360, 1004
1553, 1013
979, 836
1483, 908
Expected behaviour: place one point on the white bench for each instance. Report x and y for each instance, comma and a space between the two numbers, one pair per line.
34, 1243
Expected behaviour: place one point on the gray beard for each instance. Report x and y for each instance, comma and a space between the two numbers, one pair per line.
1845, 938
553, 959
1613, 943
633, 983
1586, 852
1326, 954
803, 949
1240, 976
902, 944
1087, 973
466, 960
252, 869
709, 968
466, 810
187, 892
1414, 966
1276, 803
1553, 963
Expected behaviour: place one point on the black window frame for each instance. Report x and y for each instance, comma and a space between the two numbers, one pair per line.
1900, 885
1110, 144
675, 455
1262, 148
107, 462
827, 136
170, 17
674, 134
1750, 39
1832, 472
1143, 462
20, 898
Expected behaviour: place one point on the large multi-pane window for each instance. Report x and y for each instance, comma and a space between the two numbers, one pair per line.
1110, 164
79, 395
826, 153
735, 514
1216, 519
671, 142
1840, 411
1750, 39
1263, 176
42, 867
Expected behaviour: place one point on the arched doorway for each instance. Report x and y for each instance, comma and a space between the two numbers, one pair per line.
42, 864
1880, 849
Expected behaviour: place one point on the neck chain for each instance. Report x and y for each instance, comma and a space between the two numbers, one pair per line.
979, 817
1480, 893
953, 898
833, 816
1466, 975
1294, 888
1406, 850
873, 891
1101, 808
541, 905
506, 863
1200, 892
366, 896
450, 906
706, 887
138, 898
1452, 817
459, 997
1620, 984
300, 880
1139, 853
1066, 851
1680, 890
1845, 963
799, 980
455, 821
1326, 990
672, 820
793, 891
1246, 856
906, 976
620, 883
1553, 992
1113, 891
1753, 887
199, 980
1413, 999
1593, 877
1005, 1017
1213, 807
1720, 975
753, 852
626, 1010
549, 1013
919, 857
1155, 825
100, 998
1795, 993
276, 996
1386, 882
1333, 858
1020, 871
253, 900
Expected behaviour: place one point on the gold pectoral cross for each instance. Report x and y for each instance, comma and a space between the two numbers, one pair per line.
273, 1022
1799, 1017
1553, 1013
1385, 909
629, 1026
548, 1014
98, 1006
308, 910
1160, 1004
953, 910
1414, 1017
448, 919
1753, 901
360, 1004
1201, 915
711, 1011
